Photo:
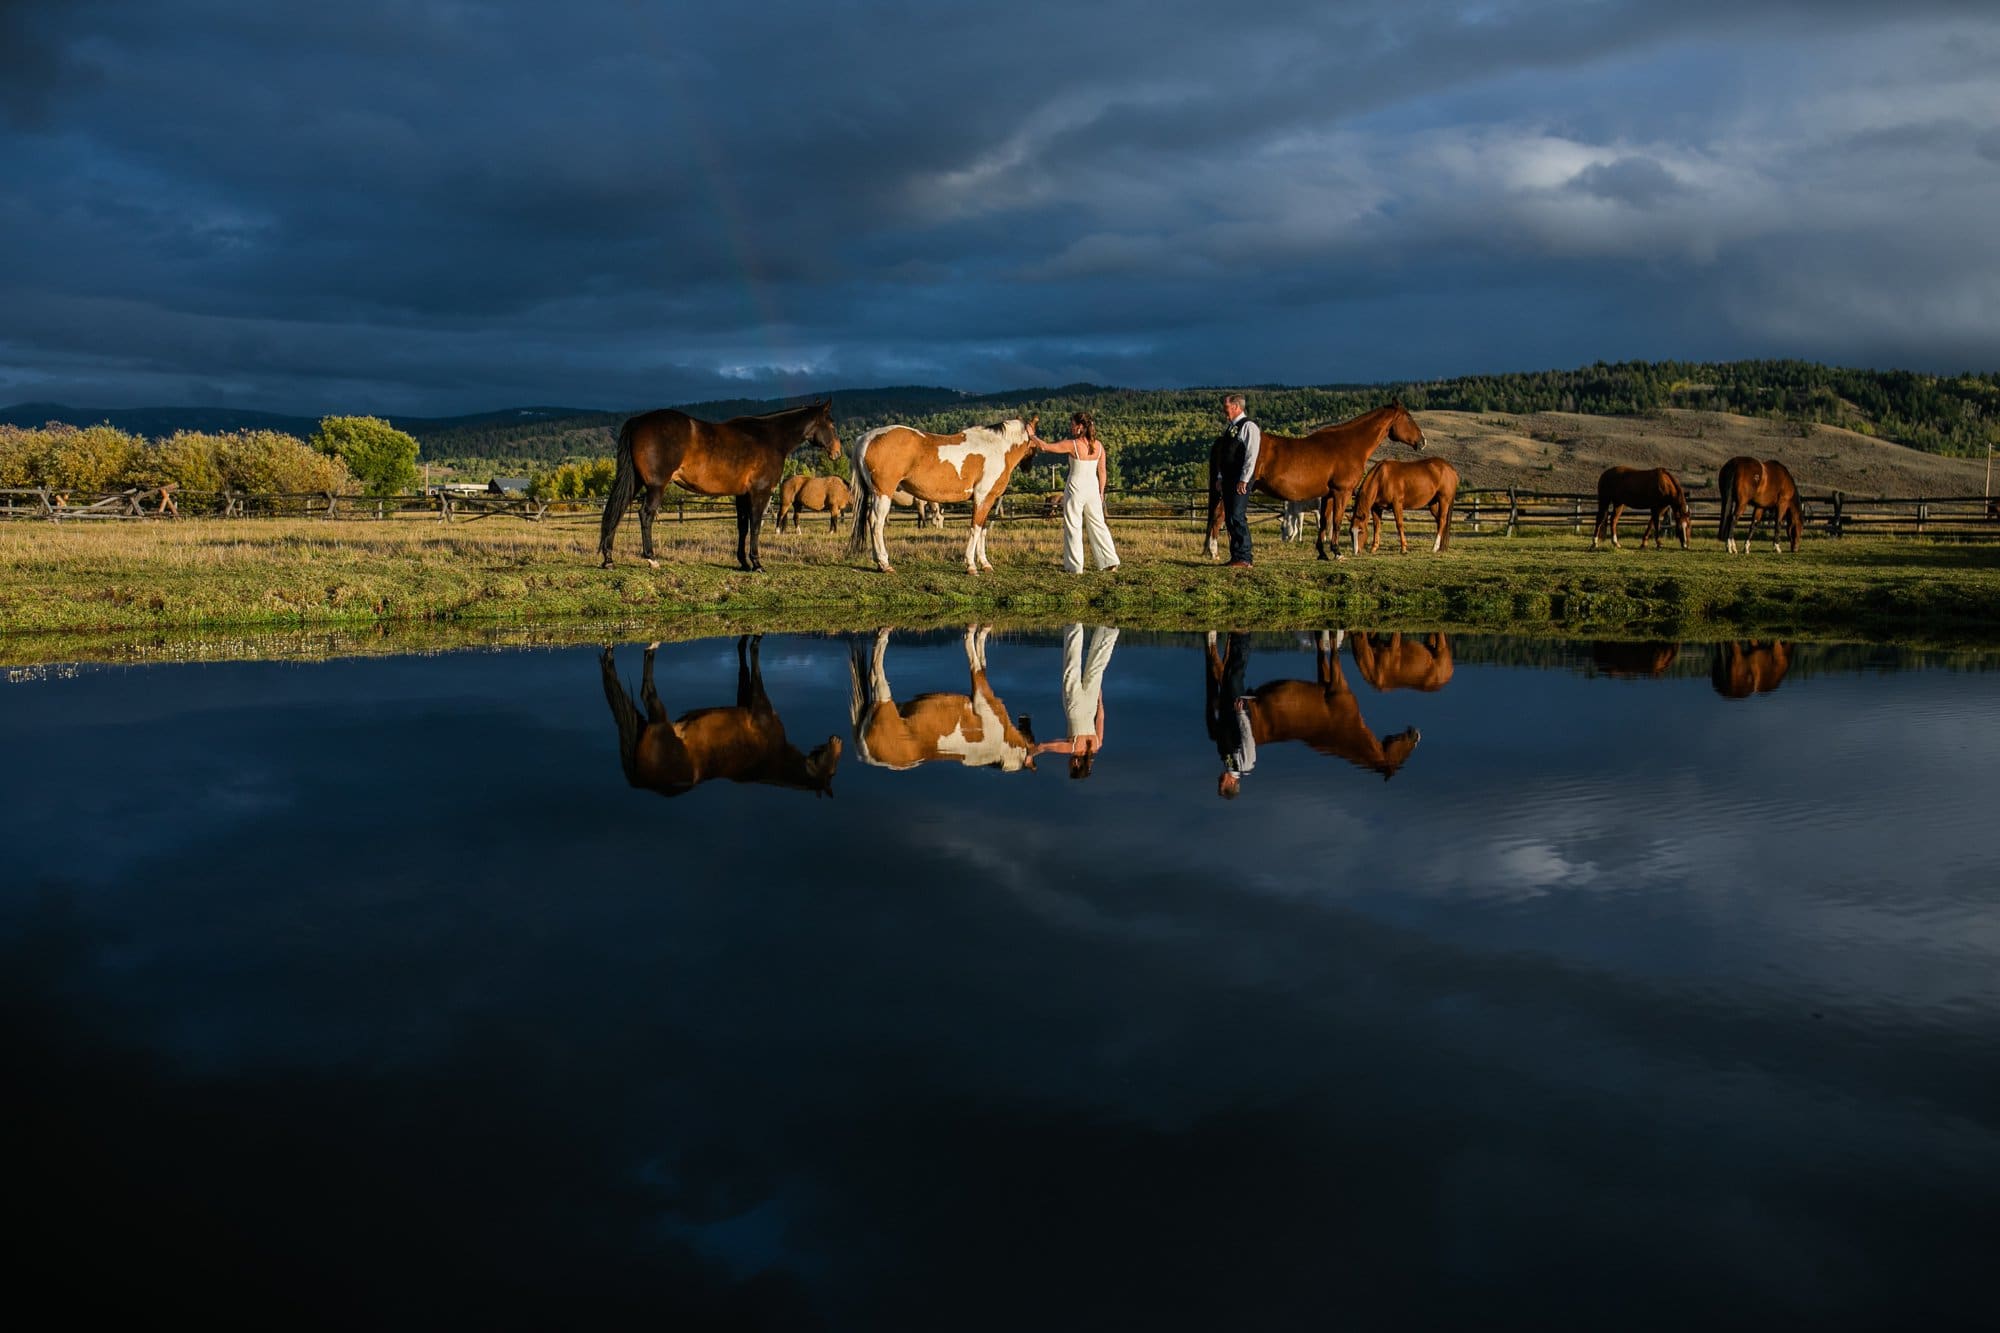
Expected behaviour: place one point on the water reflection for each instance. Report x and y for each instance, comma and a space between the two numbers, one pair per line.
1743, 669
1397, 662
1083, 696
1628, 661
745, 743
1323, 713
970, 729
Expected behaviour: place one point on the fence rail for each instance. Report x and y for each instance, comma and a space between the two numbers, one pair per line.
1491, 511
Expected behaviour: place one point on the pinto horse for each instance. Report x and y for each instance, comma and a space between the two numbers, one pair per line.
1403, 664
743, 744
1651, 489
1424, 483
819, 494
743, 457
1324, 713
1763, 488
1741, 670
1325, 466
975, 464
969, 729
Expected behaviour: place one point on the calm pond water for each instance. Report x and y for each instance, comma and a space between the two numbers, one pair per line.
1520, 984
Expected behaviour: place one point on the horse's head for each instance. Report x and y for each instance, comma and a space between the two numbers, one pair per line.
819, 767
1396, 751
1403, 427
1677, 497
821, 432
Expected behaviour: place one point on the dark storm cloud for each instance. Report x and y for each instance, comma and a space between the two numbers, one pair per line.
451, 205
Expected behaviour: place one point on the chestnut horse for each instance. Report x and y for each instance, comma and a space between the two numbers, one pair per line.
1651, 489
1741, 670
819, 494
1324, 713
743, 457
969, 729
1403, 664
1632, 661
1325, 466
1763, 488
743, 744
975, 464
1396, 485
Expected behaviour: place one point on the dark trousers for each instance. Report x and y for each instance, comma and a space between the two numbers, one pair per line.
1236, 513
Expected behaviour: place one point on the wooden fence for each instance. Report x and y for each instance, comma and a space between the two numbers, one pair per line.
1476, 513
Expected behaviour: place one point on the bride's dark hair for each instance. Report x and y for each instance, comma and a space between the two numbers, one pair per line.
1083, 419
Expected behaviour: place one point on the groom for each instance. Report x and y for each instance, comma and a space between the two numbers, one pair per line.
1241, 439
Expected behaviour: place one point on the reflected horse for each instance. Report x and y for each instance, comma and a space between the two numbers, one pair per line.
1324, 713
1741, 670
822, 495
1652, 489
1396, 485
1632, 661
743, 744
970, 729
1763, 488
1403, 664
744, 457
975, 464
1325, 465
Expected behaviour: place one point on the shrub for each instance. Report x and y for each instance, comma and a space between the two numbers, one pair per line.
575, 481
83, 458
266, 461
382, 458
20, 451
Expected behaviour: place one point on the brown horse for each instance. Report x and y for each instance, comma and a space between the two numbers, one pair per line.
1651, 489
819, 494
743, 457
1403, 664
1325, 466
1324, 713
1395, 485
1763, 488
743, 744
969, 729
1632, 661
975, 464
1741, 670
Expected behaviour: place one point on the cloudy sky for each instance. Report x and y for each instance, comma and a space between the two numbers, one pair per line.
441, 206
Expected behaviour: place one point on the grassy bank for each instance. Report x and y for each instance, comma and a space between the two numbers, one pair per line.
213, 576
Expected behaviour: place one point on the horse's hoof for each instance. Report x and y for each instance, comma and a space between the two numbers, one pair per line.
606, 564
654, 563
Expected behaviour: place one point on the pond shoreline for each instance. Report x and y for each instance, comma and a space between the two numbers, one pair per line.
162, 592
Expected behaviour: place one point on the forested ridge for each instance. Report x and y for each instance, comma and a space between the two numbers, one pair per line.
1161, 436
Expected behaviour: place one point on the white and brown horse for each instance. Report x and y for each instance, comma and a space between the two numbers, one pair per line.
975, 464
970, 729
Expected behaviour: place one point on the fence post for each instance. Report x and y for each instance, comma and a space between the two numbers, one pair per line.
1839, 529
1923, 513
1475, 511
1576, 518
1513, 510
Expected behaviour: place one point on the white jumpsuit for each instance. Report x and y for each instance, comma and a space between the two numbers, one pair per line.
1083, 517
1083, 674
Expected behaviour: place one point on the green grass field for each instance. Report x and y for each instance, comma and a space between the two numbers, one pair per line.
63, 587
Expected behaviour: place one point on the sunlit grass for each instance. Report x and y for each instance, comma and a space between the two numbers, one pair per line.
305, 573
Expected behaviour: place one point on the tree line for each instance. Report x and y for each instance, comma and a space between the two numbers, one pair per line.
345, 456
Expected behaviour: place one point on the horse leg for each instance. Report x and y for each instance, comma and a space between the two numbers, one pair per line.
1402, 538
758, 501
1329, 528
1440, 507
742, 532
746, 669
1597, 529
647, 508
878, 527
649, 694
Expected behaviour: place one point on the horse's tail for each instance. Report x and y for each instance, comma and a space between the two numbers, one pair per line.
624, 712
1725, 483
623, 486
864, 494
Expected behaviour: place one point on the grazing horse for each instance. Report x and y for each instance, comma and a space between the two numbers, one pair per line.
969, 729
1632, 661
819, 494
975, 464
1292, 519
928, 515
1324, 713
1325, 466
743, 744
1403, 664
1424, 483
1651, 489
1741, 670
743, 457
1763, 488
